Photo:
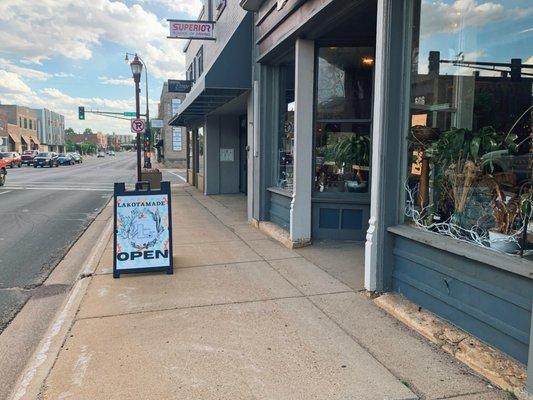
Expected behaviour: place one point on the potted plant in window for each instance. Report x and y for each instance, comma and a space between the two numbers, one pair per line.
506, 212
351, 153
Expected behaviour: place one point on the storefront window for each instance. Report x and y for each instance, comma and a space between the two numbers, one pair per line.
201, 149
285, 137
470, 142
343, 119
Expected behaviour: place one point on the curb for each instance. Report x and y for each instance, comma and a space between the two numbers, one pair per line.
36, 371
495, 366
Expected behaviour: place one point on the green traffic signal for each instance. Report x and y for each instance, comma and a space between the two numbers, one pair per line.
81, 112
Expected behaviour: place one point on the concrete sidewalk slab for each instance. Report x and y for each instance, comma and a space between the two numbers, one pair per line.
247, 232
307, 277
271, 250
282, 349
203, 234
198, 254
342, 260
188, 287
430, 373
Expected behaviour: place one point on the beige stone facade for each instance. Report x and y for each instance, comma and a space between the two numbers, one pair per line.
174, 149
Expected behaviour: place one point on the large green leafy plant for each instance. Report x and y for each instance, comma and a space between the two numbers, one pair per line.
350, 150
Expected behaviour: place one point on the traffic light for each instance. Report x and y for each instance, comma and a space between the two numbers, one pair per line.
81, 112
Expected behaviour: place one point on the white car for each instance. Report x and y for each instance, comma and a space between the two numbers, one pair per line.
100, 154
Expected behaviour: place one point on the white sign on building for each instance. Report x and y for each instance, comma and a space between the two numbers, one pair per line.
181, 29
176, 139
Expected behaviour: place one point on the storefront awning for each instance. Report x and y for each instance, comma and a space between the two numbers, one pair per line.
228, 77
35, 140
14, 138
27, 139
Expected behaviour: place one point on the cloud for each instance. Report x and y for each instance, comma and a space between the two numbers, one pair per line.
37, 31
63, 75
11, 83
191, 7
441, 17
115, 81
23, 71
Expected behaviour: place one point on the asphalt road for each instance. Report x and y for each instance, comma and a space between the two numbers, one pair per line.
43, 211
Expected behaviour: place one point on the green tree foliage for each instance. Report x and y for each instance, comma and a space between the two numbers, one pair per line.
69, 131
88, 131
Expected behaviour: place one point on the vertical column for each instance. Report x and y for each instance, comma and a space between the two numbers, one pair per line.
529, 385
300, 225
388, 144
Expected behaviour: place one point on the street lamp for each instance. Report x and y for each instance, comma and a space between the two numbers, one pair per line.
147, 162
136, 69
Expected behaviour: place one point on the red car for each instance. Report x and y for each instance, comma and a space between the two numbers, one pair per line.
13, 158
3, 170
28, 156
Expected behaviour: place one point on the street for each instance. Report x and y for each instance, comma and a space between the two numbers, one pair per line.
43, 211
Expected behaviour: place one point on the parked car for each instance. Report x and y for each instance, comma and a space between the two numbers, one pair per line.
111, 153
13, 157
77, 157
28, 156
47, 159
3, 170
100, 154
65, 159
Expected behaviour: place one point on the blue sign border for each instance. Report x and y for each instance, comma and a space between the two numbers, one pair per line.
120, 190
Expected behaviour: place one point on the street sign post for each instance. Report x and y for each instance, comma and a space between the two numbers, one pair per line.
129, 113
142, 236
138, 125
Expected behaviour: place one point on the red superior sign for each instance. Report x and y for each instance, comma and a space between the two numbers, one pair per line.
192, 29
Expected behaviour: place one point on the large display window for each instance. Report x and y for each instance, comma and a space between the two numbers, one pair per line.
343, 108
284, 167
470, 155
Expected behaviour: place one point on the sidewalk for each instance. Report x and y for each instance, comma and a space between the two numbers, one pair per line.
245, 318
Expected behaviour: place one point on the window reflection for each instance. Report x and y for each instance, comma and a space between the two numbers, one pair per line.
471, 152
343, 112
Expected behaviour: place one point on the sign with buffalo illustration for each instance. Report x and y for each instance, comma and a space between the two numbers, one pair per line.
143, 230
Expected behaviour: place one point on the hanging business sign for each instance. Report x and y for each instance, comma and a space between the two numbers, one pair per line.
179, 86
143, 230
199, 30
156, 123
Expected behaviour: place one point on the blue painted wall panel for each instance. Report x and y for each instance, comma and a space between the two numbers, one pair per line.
490, 303
280, 209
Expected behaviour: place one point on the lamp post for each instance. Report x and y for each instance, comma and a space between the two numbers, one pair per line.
147, 162
136, 69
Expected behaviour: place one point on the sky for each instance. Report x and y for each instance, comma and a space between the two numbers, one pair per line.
61, 54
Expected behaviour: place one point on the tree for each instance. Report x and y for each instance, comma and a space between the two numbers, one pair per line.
70, 147
88, 131
69, 131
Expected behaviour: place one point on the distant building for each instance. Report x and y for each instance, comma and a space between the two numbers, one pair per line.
51, 130
98, 139
171, 139
21, 128
3, 131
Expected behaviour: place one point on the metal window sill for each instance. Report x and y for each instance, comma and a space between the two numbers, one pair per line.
506, 262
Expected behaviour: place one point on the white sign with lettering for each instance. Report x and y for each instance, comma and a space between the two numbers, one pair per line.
181, 29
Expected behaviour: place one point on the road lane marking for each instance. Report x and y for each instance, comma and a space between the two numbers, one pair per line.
6, 191
179, 176
87, 189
